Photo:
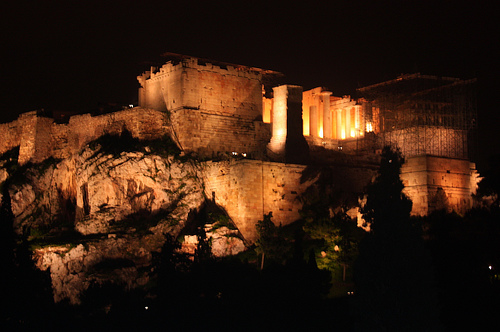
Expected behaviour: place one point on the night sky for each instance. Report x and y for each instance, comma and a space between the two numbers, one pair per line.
73, 55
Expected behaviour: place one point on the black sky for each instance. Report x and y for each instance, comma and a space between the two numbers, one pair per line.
72, 55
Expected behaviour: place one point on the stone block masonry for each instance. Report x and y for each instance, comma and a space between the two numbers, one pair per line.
219, 110
213, 109
439, 183
248, 189
39, 138
209, 134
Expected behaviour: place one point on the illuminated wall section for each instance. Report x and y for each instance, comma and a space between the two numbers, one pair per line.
247, 189
435, 183
212, 109
306, 118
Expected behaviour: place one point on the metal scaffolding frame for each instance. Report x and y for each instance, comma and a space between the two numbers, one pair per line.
423, 115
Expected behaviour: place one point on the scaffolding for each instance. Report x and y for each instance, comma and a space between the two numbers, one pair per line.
423, 115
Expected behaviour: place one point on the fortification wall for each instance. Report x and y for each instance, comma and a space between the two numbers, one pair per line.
248, 189
439, 183
231, 91
209, 134
162, 90
212, 109
28, 137
10, 135
39, 138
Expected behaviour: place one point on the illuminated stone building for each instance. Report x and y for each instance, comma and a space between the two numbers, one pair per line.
259, 137
218, 108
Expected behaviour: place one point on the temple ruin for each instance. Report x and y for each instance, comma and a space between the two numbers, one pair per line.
219, 108
260, 137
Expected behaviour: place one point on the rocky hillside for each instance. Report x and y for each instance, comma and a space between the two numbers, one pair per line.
102, 213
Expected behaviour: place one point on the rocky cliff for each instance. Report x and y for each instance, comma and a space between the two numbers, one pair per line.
100, 214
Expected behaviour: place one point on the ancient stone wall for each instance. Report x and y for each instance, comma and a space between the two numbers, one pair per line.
10, 135
234, 91
439, 183
212, 109
248, 189
209, 134
39, 138
28, 136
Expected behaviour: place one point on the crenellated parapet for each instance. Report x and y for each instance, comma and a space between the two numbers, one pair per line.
213, 108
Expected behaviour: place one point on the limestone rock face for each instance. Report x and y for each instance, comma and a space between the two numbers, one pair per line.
225, 242
103, 193
99, 216
115, 189
119, 259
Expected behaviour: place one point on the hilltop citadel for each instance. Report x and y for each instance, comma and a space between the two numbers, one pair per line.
260, 138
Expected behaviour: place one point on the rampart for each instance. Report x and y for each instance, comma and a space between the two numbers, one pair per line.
213, 109
435, 183
248, 189
39, 138
223, 109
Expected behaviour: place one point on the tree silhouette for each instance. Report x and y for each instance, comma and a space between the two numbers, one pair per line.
393, 274
26, 292
270, 244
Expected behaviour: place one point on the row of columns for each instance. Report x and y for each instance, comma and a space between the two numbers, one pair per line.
343, 130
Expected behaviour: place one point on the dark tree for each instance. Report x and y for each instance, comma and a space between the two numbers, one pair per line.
270, 244
489, 187
26, 292
393, 274
7, 250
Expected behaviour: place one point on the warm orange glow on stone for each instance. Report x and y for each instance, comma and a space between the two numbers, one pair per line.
317, 115
277, 143
267, 106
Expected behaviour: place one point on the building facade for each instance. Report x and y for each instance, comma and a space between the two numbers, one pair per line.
224, 109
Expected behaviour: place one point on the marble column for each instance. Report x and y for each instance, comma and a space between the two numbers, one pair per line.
327, 115
339, 123
313, 121
348, 123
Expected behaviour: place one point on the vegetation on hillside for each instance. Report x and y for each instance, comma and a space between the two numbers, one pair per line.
440, 271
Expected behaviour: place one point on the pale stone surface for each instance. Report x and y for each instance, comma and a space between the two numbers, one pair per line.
439, 183
225, 242
105, 193
211, 111
131, 183
3, 174
73, 270
39, 138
